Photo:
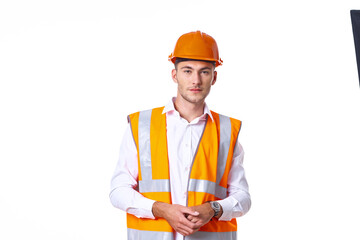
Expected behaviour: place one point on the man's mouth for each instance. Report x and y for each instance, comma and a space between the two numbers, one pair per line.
195, 89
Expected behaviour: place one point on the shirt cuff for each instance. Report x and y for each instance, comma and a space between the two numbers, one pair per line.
145, 211
227, 205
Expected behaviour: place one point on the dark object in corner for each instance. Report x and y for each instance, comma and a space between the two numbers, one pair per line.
355, 19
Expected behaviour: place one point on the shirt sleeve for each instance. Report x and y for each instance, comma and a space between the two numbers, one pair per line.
123, 194
238, 201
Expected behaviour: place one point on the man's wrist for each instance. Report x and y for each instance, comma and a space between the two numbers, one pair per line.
217, 209
157, 209
220, 212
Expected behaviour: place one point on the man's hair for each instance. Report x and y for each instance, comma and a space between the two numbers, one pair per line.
189, 59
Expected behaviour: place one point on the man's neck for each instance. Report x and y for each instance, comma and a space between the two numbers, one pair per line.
188, 110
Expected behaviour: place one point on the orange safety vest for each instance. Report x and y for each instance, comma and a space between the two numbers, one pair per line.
208, 177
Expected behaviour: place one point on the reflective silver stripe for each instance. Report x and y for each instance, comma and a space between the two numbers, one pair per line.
147, 184
134, 234
156, 185
144, 144
212, 236
196, 185
225, 137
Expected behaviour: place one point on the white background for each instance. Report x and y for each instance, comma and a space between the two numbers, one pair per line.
71, 71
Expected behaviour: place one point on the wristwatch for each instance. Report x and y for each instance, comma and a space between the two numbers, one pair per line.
216, 207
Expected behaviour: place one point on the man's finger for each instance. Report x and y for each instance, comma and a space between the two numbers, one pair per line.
186, 210
184, 230
188, 224
193, 219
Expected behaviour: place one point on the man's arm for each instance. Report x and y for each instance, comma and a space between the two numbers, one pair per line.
124, 181
238, 201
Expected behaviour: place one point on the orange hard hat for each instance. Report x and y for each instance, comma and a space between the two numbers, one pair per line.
196, 45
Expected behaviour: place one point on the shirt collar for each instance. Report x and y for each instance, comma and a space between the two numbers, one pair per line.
169, 107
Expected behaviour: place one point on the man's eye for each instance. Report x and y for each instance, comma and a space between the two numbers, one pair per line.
205, 72
187, 71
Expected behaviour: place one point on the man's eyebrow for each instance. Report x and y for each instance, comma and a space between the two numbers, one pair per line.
186, 67
205, 68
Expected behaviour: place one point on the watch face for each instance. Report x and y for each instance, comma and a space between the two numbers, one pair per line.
216, 207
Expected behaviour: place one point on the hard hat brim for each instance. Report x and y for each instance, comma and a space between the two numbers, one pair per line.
172, 59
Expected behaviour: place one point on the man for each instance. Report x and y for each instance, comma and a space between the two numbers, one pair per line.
180, 172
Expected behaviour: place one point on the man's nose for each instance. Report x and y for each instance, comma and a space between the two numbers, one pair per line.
197, 78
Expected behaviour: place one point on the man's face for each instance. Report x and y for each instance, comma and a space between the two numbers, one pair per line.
194, 79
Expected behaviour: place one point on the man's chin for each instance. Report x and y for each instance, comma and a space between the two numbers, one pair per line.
195, 100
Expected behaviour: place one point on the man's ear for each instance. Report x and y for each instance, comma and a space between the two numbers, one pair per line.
215, 78
173, 75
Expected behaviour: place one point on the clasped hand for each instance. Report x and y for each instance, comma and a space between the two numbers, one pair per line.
184, 220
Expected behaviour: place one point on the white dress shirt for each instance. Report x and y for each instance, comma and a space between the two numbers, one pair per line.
183, 138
